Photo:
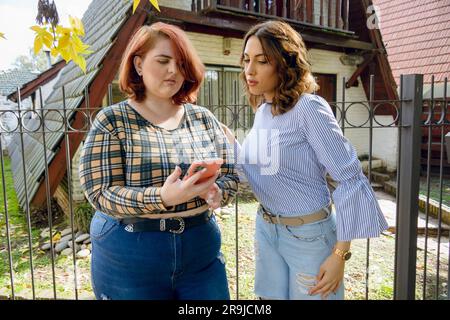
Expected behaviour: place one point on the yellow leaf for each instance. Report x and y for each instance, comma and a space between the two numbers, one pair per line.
155, 4
47, 38
56, 237
87, 52
65, 55
43, 37
63, 31
37, 45
54, 52
77, 25
77, 43
135, 4
72, 51
36, 29
63, 41
68, 43
82, 63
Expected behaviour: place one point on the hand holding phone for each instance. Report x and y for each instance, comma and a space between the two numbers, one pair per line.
211, 166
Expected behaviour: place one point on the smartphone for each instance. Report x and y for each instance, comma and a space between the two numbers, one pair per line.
211, 165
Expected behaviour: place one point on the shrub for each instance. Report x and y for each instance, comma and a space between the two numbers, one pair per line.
83, 215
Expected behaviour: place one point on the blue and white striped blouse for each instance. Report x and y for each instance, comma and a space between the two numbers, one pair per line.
285, 159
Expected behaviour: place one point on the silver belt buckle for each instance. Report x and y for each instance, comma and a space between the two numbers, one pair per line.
181, 228
129, 227
327, 209
265, 214
162, 225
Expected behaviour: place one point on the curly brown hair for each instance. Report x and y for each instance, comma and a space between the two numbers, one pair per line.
283, 45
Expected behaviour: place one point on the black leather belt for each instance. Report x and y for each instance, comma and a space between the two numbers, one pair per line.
175, 225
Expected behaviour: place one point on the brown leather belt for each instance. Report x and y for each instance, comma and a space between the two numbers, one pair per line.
298, 220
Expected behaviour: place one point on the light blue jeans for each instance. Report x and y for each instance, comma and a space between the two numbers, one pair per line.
288, 259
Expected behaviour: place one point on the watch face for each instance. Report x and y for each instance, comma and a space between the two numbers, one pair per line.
347, 255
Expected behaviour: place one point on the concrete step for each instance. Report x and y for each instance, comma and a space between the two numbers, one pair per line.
377, 186
380, 177
432, 231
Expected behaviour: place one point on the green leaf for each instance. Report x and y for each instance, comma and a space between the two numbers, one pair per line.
2, 35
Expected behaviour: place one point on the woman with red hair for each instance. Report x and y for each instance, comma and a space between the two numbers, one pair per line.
153, 233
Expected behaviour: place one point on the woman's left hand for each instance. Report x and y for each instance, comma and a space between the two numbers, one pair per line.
213, 196
330, 276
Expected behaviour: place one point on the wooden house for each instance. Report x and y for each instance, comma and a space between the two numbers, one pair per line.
335, 31
417, 39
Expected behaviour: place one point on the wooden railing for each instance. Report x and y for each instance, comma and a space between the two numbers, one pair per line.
324, 13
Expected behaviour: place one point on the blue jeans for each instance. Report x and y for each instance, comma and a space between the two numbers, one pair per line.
156, 265
288, 259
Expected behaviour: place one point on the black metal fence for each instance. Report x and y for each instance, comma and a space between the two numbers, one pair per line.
38, 137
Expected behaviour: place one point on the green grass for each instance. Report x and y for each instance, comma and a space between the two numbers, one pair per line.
435, 189
20, 253
245, 232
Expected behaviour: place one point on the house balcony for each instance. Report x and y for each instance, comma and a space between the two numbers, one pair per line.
329, 14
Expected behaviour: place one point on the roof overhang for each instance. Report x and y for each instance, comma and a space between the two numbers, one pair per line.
30, 87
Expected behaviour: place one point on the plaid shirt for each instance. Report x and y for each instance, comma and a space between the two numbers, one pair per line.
125, 159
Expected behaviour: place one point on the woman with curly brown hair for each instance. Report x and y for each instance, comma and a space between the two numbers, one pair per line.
301, 241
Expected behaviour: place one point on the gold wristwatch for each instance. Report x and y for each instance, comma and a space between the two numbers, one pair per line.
343, 254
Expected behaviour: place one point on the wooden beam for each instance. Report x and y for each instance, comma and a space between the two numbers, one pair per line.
329, 13
335, 42
261, 6
338, 14
284, 9
345, 14
300, 10
97, 90
321, 12
272, 10
310, 11
359, 70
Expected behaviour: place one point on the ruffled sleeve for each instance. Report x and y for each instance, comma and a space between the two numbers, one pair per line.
358, 214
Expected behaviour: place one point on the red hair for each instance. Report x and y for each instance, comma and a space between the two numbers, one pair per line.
189, 62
